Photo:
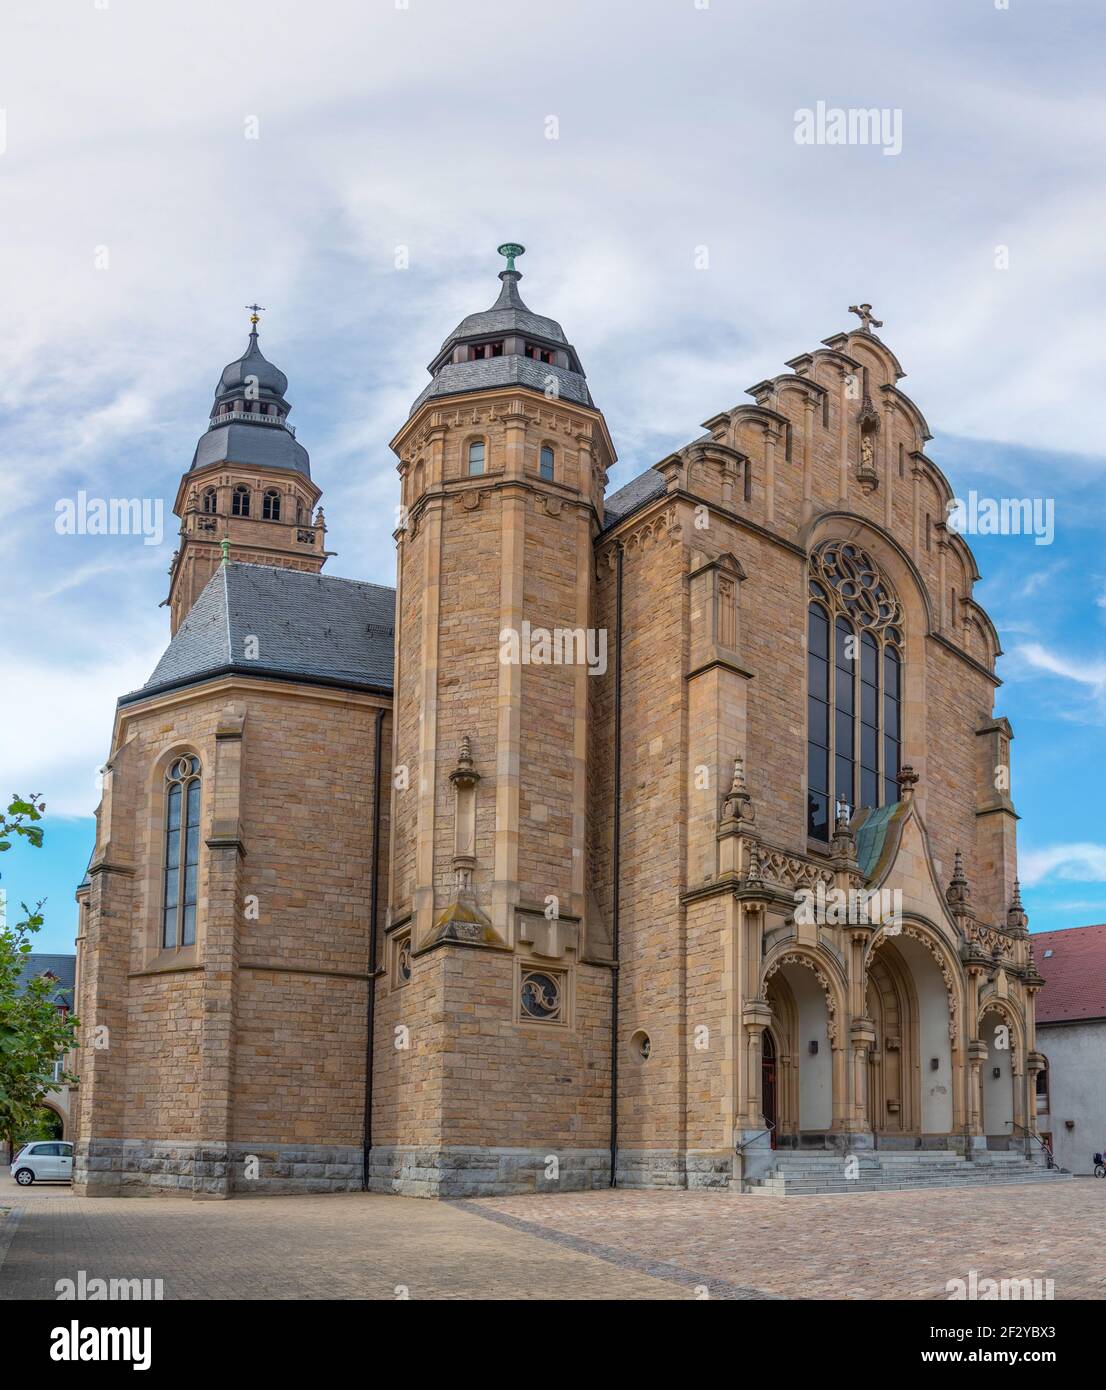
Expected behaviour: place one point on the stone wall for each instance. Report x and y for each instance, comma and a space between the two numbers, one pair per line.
255, 1035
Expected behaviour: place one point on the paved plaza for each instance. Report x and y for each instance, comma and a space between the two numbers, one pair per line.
605, 1245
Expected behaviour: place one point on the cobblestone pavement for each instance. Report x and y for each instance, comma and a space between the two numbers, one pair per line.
605, 1245
335, 1246
897, 1245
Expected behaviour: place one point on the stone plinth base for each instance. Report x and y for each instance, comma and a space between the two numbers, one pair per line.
462, 1171
166, 1168
672, 1168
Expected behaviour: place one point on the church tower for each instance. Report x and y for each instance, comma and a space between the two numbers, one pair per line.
249, 485
496, 974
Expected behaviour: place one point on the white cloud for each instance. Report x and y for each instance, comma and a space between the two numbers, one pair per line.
1088, 674
1091, 673
425, 127
1081, 862
70, 708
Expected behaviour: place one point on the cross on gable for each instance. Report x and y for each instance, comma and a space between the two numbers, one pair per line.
867, 319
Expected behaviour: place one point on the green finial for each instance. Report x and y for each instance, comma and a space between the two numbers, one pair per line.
224, 546
510, 249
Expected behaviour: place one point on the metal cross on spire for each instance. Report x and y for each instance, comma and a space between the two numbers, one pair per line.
867, 319
255, 309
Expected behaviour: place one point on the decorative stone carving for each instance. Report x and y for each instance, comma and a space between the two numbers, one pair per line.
788, 871
990, 938
1017, 919
908, 929
665, 526
798, 958
958, 894
737, 804
550, 937
852, 583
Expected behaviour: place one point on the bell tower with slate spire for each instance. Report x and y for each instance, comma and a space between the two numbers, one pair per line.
503, 463
249, 484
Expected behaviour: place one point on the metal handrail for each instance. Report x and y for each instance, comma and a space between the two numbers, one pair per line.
1032, 1134
740, 1148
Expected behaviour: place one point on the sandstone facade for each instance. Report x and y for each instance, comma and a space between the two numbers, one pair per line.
597, 813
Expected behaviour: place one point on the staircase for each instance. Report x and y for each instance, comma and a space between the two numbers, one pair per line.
817, 1174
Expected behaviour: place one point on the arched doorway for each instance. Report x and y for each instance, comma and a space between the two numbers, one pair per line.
804, 1059
769, 1082
910, 1065
892, 1007
997, 1080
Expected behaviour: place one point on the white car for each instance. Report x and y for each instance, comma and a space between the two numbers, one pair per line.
43, 1161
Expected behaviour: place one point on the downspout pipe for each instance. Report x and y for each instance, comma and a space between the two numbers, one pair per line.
615, 858
374, 903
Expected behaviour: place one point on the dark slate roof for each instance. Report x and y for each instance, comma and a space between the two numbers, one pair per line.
635, 494
1073, 964
507, 315
64, 968
309, 627
267, 446
507, 318
457, 377
271, 381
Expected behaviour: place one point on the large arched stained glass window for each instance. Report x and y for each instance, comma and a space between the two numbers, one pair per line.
182, 852
854, 685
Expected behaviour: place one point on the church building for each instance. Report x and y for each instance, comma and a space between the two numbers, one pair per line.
650, 838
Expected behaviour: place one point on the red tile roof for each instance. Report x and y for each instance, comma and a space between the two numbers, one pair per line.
1074, 974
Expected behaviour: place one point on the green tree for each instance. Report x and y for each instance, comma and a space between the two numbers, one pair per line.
34, 1032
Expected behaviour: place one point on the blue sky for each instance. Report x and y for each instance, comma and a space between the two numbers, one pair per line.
140, 215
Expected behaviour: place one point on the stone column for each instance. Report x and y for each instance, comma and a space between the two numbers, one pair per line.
212, 1175
843, 436
888, 463
422, 896
771, 437
862, 1036
751, 1139
808, 455
755, 1017
975, 1054
98, 1150
917, 473
509, 697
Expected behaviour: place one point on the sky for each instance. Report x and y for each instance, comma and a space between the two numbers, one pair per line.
353, 166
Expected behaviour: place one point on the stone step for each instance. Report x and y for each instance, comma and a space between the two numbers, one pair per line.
875, 1175
796, 1178
781, 1186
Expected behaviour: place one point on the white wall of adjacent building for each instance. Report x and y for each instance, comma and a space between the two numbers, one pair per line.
1076, 1055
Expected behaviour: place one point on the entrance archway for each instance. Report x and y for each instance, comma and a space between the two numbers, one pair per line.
910, 1066
769, 1084
801, 1026
998, 1079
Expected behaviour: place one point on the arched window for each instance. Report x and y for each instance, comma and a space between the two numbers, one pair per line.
1041, 1091
546, 463
209, 500
240, 501
182, 852
854, 691
476, 457
299, 511
270, 505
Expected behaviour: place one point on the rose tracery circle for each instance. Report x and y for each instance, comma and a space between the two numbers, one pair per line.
847, 577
